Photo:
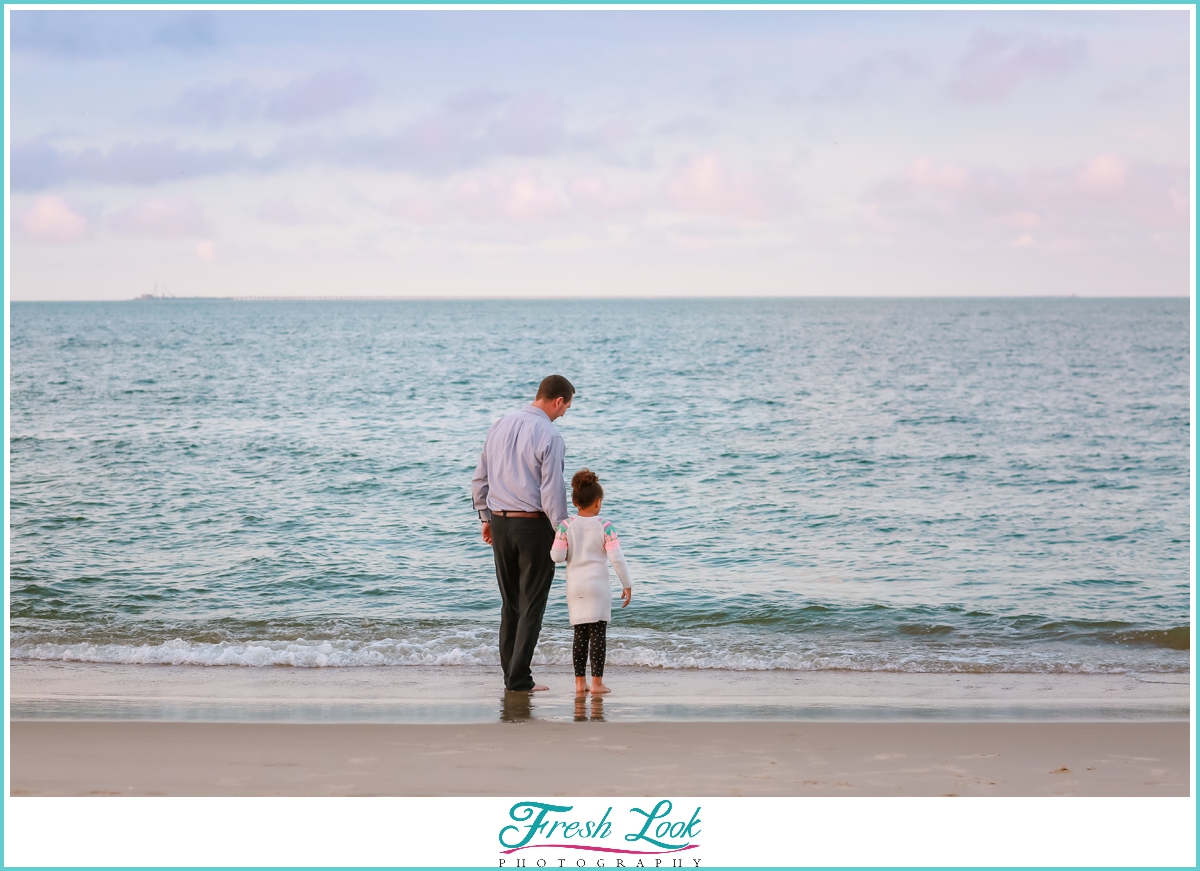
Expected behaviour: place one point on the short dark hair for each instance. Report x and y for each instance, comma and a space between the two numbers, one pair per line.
555, 386
585, 488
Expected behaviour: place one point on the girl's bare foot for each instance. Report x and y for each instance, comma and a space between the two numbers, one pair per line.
580, 686
598, 688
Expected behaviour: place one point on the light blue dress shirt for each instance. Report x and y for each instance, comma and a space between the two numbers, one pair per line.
521, 467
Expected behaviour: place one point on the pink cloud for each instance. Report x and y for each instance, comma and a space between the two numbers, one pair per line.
419, 210
520, 198
1092, 203
595, 197
997, 64
1104, 174
483, 199
707, 185
51, 219
163, 218
505, 198
927, 174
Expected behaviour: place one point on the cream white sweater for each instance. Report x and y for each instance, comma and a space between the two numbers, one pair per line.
588, 545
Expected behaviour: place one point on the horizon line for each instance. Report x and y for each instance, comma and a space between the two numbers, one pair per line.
326, 298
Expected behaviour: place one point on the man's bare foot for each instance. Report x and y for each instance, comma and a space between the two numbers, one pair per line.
538, 688
598, 688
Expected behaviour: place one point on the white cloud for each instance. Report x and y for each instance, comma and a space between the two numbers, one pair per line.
321, 94
996, 64
875, 75
689, 125
596, 197
206, 249
162, 218
284, 210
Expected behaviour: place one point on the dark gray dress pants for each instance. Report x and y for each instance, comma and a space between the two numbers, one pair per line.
524, 570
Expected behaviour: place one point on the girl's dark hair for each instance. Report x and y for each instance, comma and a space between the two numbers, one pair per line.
585, 488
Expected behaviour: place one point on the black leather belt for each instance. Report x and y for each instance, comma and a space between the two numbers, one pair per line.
541, 514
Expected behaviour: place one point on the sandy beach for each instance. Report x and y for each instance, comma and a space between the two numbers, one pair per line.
91, 729
600, 759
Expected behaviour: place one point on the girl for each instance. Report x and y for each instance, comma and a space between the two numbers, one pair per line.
588, 543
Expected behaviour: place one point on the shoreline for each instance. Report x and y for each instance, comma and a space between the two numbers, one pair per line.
599, 759
460, 694
86, 729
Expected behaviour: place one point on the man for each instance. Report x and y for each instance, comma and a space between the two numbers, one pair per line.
520, 495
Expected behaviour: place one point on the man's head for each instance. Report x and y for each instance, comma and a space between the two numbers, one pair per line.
554, 396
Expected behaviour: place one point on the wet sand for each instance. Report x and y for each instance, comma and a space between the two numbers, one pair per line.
591, 758
93, 729
445, 694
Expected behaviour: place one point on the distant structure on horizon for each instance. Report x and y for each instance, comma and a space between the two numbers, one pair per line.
155, 294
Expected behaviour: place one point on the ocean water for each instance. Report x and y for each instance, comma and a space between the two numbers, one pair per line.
996, 485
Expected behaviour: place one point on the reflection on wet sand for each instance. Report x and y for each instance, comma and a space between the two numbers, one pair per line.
523, 707
439, 694
581, 709
516, 707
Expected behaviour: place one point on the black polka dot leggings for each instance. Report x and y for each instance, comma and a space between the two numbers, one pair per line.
589, 635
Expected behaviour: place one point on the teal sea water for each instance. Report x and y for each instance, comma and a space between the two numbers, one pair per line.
996, 485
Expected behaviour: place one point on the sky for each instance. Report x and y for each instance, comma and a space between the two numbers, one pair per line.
594, 153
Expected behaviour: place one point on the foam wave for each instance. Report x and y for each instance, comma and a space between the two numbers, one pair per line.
479, 649
298, 654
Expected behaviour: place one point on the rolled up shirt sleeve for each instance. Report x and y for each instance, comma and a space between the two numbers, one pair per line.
554, 489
